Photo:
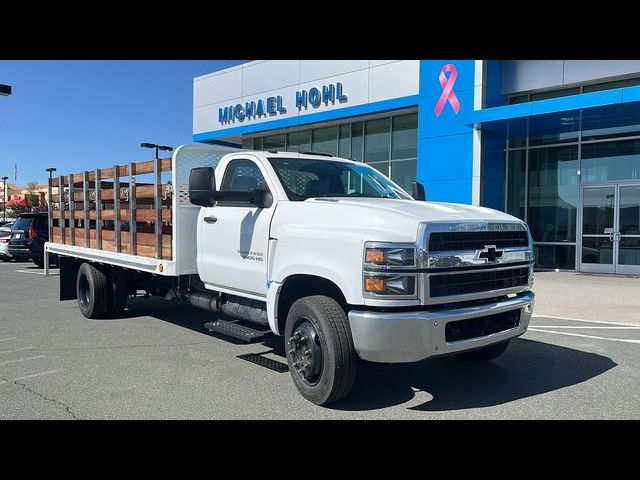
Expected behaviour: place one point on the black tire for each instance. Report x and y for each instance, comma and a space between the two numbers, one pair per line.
118, 293
485, 354
38, 262
6, 259
337, 368
92, 290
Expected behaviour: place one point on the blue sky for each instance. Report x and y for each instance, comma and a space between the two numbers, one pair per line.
79, 115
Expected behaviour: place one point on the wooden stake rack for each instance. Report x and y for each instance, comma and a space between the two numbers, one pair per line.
85, 210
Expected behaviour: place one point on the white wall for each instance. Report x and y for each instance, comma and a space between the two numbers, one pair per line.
523, 75
364, 81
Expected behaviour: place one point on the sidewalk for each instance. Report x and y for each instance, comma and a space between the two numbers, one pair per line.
607, 298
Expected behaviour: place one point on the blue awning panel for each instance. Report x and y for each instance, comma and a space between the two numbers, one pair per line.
618, 107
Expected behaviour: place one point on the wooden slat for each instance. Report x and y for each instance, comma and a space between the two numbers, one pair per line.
142, 192
142, 214
145, 241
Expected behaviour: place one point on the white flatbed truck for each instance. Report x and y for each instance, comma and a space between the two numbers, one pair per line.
324, 251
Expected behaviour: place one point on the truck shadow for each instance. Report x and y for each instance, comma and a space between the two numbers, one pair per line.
527, 368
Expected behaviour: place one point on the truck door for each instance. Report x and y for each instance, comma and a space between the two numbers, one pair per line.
234, 235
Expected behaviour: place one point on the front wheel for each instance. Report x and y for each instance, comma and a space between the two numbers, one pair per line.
485, 354
320, 352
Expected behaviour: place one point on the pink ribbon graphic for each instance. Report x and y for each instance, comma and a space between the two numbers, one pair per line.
447, 89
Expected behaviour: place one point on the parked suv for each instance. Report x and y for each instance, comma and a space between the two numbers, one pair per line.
28, 235
5, 237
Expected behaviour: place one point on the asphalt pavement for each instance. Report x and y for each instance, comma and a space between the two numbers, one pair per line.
157, 361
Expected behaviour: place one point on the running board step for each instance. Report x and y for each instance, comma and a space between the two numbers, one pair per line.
235, 330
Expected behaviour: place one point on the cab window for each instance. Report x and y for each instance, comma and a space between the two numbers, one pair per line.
242, 176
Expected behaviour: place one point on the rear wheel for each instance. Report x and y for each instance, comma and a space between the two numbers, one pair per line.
6, 259
39, 262
485, 354
320, 352
92, 290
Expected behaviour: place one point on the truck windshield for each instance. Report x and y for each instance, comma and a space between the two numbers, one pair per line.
305, 178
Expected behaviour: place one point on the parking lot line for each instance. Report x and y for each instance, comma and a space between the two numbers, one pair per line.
585, 321
37, 273
17, 350
33, 375
625, 340
6, 339
589, 327
18, 360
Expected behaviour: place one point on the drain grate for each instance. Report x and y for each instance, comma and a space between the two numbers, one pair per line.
258, 359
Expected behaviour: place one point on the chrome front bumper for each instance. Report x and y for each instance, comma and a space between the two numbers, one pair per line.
412, 336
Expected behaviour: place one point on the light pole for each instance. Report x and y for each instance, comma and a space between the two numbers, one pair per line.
164, 148
4, 198
50, 170
5, 91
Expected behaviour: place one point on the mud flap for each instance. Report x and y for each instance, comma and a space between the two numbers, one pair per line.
68, 277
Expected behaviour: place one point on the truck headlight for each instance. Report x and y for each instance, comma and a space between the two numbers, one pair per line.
390, 285
384, 266
388, 255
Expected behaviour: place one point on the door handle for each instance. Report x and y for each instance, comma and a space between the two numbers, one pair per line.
210, 219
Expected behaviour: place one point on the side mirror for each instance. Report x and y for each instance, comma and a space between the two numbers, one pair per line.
202, 191
262, 199
417, 191
202, 186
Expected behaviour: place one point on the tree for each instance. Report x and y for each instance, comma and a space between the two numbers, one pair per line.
33, 197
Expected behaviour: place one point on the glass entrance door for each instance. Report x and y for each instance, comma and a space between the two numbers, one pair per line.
610, 229
628, 233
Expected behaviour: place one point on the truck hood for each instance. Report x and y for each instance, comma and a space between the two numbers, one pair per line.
421, 211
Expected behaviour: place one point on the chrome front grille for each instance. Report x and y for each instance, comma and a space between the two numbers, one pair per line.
474, 260
456, 241
464, 283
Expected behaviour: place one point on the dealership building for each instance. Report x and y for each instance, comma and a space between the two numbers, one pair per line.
553, 142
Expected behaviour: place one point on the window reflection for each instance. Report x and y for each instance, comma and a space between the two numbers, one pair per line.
553, 193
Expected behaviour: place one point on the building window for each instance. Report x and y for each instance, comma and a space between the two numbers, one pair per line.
603, 161
553, 193
357, 141
516, 179
299, 141
325, 140
377, 140
403, 172
344, 141
404, 141
389, 144
275, 142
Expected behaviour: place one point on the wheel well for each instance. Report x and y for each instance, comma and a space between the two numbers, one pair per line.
298, 286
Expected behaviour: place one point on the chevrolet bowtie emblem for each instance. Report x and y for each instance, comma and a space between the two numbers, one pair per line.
490, 253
